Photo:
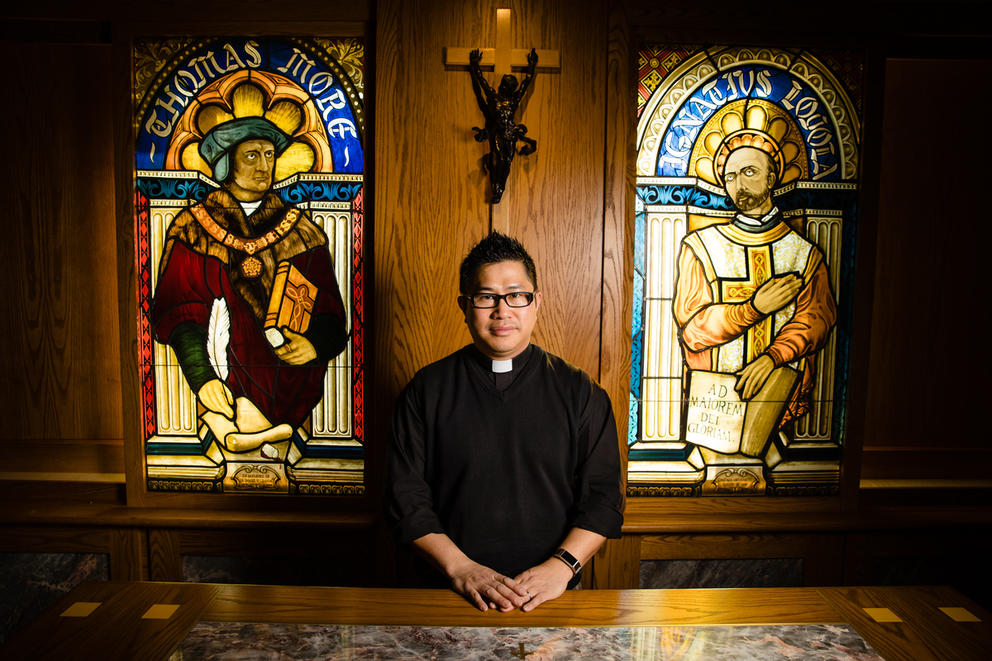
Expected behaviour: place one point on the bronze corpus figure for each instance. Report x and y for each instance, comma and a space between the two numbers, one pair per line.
501, 131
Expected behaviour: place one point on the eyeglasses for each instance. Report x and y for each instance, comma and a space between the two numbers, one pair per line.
514, 299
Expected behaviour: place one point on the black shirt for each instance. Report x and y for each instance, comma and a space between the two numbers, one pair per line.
504, 472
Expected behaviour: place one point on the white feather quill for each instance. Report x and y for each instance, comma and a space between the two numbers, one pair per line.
219, 336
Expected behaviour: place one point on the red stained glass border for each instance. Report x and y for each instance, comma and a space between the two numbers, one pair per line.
660, 61
142, 211
358, 314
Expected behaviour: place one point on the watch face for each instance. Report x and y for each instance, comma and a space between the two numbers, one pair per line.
569, 559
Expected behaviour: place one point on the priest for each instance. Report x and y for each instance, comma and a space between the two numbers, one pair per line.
504, 467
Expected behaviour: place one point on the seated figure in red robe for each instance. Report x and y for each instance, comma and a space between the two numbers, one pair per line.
216, 276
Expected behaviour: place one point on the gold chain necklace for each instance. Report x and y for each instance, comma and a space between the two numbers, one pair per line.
251, 266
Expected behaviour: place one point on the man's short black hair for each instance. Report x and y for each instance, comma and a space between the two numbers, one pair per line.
493, 249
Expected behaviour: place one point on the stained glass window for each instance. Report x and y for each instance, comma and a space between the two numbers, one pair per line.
249, 226
746, 190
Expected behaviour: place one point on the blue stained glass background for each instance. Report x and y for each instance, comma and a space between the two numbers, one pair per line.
638, 314
168, 188
639, 243
635, 367
750, 81
275, 53
632, 420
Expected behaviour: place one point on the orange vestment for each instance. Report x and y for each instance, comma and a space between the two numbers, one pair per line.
719, 269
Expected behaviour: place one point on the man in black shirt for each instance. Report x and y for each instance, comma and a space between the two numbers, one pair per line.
504, 470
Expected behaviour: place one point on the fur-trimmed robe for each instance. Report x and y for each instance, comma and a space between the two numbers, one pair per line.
196, 269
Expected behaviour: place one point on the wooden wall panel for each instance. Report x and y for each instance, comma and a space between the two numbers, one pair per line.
427, 207
556, 198
618, 225
430, 189
330, 557
60, 360
48, 539
164, 556
925, 556
125, 547
129, 554
616, 565
924, 369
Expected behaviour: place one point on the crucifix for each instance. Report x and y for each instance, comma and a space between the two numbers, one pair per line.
503, 59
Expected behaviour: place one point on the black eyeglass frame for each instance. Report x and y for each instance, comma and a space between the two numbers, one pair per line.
529, 295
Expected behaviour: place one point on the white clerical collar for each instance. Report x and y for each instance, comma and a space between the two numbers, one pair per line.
502, 366
250, 207
757, 222
505, 366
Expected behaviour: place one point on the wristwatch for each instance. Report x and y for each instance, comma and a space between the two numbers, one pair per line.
569, 560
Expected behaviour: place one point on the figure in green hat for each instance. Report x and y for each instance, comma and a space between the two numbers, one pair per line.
217, 272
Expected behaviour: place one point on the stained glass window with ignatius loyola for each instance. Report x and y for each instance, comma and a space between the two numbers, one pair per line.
747, 182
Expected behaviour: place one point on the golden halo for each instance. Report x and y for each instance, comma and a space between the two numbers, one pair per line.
254, 94
749, 123
748, 138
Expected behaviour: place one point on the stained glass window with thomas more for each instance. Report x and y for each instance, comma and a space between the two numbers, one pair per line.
249, 226
747, 176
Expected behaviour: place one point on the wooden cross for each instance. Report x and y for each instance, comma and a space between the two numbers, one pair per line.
758, 336
502, 59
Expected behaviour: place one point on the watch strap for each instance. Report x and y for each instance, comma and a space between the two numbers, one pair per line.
569, 559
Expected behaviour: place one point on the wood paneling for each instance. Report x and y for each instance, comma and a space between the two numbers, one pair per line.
61, 457
920, 419
127, 287
689, 547
47, 539
929, 263
426, 199
557, 205
925, 554
864, 275
47, 493
193, 13
616, 566
618, 225
333, 556
431, 191
745, 513
164, 555
60, 361
129, 554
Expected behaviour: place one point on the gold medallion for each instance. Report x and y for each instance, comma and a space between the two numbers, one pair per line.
251, 267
